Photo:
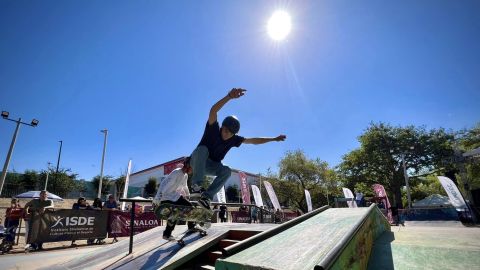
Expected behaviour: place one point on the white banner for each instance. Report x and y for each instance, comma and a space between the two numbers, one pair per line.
127, 179
349, 195
453, 193
272, 195
257, 196
221, 198
308, 198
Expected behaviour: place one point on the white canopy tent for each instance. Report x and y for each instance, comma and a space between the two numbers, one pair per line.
435, 200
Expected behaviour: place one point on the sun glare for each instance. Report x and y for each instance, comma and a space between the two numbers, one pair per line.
279, 25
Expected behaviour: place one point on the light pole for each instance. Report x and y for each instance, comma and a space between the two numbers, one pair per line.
34, 123
46, 179
59, 155
405, 175
105, 131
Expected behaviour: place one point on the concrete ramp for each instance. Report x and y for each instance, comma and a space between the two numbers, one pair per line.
339, 238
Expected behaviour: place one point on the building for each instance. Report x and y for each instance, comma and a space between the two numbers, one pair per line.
139, 179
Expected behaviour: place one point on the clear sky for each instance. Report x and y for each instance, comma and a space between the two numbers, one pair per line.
149, 71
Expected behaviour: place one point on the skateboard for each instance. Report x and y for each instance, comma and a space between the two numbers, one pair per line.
173, 213
180, 240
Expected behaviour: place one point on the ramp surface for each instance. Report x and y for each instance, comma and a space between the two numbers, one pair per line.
310, 242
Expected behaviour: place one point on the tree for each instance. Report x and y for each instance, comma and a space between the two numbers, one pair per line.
379, 158
297, 174
60, 183
151, 187
106, 183
31, 180
120, 184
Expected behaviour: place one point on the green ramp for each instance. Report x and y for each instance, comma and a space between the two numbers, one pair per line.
338, 238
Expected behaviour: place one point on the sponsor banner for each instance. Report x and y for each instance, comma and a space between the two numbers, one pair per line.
67, 225
349, 195
221, 197
289, 216
380, 192
453, 193
244, 188
257, 196
241, 217
169, 167
308, 198
272, 195
119, 223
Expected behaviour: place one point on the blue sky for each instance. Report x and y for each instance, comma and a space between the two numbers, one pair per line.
149, 71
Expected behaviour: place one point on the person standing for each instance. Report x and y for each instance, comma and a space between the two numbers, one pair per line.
216, 141
223, 213
32, 208
12, 219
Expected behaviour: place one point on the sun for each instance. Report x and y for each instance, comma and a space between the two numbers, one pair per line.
279, 25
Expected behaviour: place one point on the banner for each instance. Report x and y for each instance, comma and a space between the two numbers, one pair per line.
127, 180
453, 193
349, 195
289, 216
308, 198
119, 223
67, 225
272, 195
244, 188
380, 192
241, 217
221, 197
257, 196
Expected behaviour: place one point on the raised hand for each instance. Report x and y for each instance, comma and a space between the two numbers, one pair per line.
236, 92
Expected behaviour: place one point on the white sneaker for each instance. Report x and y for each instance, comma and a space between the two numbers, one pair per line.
169, 238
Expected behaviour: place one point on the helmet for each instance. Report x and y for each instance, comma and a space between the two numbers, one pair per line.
231, 123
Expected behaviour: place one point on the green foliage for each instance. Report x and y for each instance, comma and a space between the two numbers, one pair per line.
151, 187
379, 158
107, 181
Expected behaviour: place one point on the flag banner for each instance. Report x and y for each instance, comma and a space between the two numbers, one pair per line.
272, 195
308, 198
289, 216
349, 195
244, 188
257, 196
67, 225
241, 217
127, 180
453, 193
119, 223
220, 196
380, 192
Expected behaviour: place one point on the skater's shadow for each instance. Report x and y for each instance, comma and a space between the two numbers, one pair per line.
161, 256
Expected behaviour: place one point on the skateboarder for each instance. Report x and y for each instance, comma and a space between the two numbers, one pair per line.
216, 141
174, 190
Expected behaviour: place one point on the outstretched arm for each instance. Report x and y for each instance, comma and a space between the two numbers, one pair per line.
262, 140
234, 93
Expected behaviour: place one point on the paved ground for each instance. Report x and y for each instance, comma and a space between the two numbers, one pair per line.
428, 245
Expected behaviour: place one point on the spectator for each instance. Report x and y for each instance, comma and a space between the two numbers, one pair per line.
12, 219
223, 213
81, 204
111, 204
32, 208
254, 214
278, 216
97, 205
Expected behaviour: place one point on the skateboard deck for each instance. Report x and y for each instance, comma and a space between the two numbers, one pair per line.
173, 212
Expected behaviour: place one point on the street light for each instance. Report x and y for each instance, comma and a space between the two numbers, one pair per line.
5, 115
46, 179
405, 175
105, 131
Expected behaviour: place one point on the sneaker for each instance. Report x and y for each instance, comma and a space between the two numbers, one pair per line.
169, 238
196, 189
204, 202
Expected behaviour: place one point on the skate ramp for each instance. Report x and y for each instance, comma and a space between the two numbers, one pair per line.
339, 238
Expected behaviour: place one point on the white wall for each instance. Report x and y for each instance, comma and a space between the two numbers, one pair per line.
141, 179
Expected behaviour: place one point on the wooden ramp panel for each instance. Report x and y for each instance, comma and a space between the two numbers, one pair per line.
309, 243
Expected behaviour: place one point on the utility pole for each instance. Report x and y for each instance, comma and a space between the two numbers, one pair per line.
105, 131
406, 181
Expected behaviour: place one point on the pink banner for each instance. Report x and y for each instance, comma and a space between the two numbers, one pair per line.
244, 188
380, 193
119, 223
240, 217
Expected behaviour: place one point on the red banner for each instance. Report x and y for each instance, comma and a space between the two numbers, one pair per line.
240, 217
244, 188
169, 167
380, 192
119, 223
289, 216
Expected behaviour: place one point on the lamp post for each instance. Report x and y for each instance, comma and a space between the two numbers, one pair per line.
105, 131
34, 123
46, 179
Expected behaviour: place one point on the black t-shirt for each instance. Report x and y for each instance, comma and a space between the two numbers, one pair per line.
217, 147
